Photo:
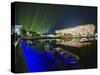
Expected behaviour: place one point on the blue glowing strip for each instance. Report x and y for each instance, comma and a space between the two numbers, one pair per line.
32, 58
36, 60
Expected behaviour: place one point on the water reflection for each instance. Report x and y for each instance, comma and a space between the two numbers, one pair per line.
77, 42
66, 53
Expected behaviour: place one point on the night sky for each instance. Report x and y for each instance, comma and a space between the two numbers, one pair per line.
46, 18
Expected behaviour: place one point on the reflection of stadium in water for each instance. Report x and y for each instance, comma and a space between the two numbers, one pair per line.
74, 48
76, 42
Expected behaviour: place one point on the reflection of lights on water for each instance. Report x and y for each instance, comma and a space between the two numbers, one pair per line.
75, 42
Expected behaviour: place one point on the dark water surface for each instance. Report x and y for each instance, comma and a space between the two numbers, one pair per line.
51, 55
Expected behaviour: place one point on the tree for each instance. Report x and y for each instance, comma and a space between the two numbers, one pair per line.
23, 32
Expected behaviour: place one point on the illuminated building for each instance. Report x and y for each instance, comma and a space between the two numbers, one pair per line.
81, 30
16, 29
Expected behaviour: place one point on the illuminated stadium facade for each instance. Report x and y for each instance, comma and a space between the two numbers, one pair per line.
81, 30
